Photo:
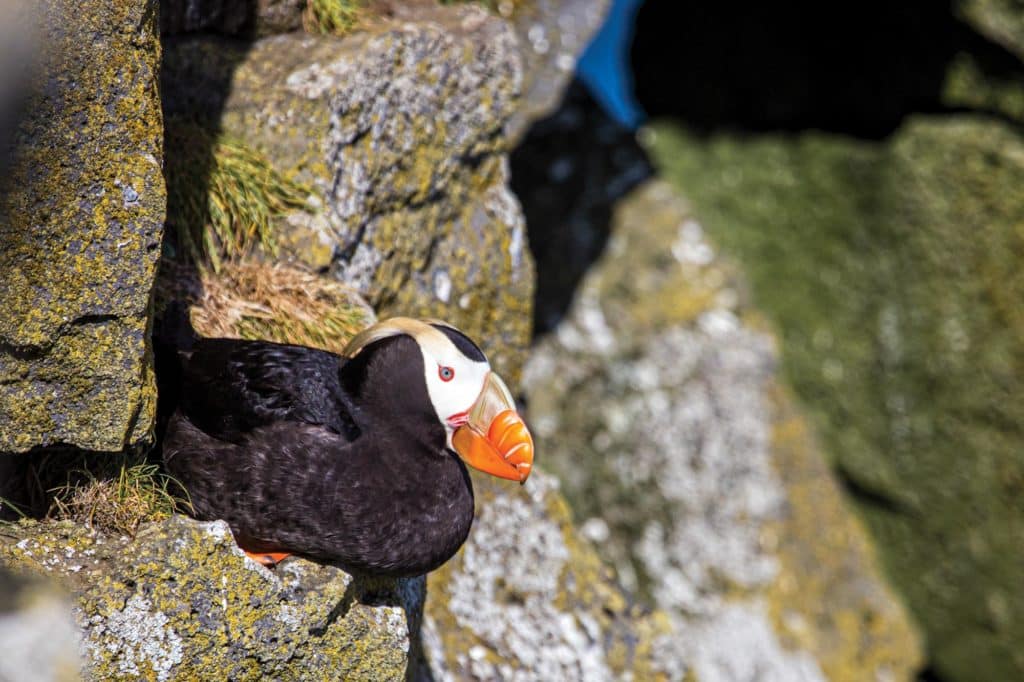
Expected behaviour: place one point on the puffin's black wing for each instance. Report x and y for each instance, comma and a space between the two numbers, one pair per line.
232, 386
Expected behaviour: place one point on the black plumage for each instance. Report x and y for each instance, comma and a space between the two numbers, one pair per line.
304, 451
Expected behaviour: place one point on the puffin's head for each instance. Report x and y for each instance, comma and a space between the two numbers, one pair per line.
471, 401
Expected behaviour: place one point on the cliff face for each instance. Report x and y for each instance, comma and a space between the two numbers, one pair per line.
376, 163
890, 265
81, 219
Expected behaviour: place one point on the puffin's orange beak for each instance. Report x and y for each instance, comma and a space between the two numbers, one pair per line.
495, 439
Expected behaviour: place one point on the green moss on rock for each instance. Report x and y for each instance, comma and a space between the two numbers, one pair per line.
81, 220
180, 601
893, 271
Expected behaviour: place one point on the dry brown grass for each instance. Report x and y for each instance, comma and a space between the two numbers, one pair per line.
273, 302
118, 500
112, 492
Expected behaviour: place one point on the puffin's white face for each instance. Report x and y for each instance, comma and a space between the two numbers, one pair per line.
472, 402
454, 382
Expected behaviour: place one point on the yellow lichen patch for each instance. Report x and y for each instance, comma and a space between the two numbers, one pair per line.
256, 300
332, 17
222, 195
827, 598
181, 601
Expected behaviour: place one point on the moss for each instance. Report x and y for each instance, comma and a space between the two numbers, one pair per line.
333, 17
893, 273
821, 600
81, 220
222, 195
969, 86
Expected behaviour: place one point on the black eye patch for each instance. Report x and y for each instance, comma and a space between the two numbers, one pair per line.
463, 343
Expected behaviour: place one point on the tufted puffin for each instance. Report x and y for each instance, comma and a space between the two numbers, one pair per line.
357, 459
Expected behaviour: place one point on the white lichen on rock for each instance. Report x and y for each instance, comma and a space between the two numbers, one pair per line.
138, 637
506, 590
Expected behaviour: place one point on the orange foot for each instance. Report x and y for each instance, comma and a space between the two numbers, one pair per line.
268, 559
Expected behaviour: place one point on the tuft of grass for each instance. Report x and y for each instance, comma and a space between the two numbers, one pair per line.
332, 17
223, 196
112, 492
274, 302
119, 497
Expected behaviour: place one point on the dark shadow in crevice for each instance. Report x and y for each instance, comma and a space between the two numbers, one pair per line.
568, 173
857, 69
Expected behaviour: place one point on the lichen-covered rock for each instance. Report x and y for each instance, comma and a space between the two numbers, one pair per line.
528, 599
39, 641
894, 273
401, 130
181, 601
81, 218
654, 401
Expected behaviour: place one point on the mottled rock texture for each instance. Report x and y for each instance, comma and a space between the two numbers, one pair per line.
81, 218
893, 271
527, 598
655, 402
401, 131
39, 641
180, 601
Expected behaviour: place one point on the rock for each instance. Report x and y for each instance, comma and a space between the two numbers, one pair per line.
181, 601
552, 35
893, 272
656, 403
231, 17
38, 637
1001, 21
527, 598
401, 130
568, 172
81, 220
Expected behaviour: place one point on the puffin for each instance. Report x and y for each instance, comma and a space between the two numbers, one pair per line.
357, 460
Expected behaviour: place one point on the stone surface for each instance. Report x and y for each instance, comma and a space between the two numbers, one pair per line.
893, 271
401, 131
1001, 21
39, 641
81, 219
527, 598
568, 172
552, 36
655, 401
231, 17
180, 601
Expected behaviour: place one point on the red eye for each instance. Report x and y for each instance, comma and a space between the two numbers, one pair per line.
446, 373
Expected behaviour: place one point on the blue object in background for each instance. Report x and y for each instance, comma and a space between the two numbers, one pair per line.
605, 66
